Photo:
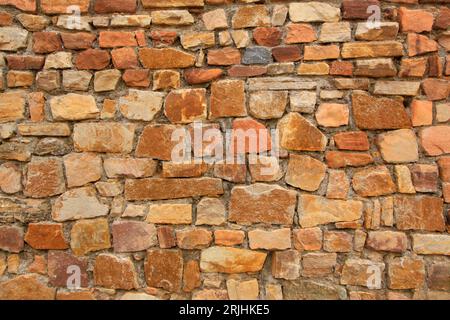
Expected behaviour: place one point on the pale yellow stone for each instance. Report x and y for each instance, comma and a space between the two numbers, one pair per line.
170, 214
404, 180
243, 290
74, 106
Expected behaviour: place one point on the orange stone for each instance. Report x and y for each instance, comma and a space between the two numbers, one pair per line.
337, 241
419, 44
389, 241
228, 99
191, 239
224, 57
164, 269
297, 133
45, 178
191, 276
436, 140
406, 273
112, 39
229, 237
26, 287
308, 239
415, 20
186, 105
250, 136
373, 182
339, 159
436, 89
300, 33
199, 76
165, 58
115, 273
305, 172
46, 236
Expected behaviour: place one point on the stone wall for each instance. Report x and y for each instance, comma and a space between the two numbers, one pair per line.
92, 205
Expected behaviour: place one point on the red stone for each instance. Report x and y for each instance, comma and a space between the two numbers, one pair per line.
246, 71
115, 6
137, 78
337, 159
16, 62
61, 265
92, 59
124, 58
112, 39
287, 54
250, 136
46, 42
78, 40
341, 68
436, 89
357, 9
268, 37
200, 76
355, 141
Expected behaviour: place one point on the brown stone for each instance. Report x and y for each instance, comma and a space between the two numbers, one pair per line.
419, 213
337, 241
200, 76
92, 59
262, 203
159, 189
373, 182
78, 40
286, 265
114, 273
46, 236
425, 177
137, 78
19, 62
354, 9
191, 276
90, 236
183, 170
418, 44
251, 16
268, 104
338, 159
309, 239
406, 273
166, 237
415, 67
438, 275
12, 106
297, 133
224, 57
390, 241
186, 105
359, 272
133, 236
192, 239
229, 237
26, 287
267, 36
287, 54
46, 42
11, 239
45, 178
227, 99
122, 6
436, 89
361, 49
379, 113
165, 58
164, 269
60, 269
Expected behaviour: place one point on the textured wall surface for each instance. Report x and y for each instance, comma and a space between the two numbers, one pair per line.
93, 205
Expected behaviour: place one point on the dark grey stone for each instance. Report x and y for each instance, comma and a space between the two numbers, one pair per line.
257, 55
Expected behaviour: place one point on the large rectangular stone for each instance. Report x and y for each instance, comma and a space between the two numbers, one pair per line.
397, 88
372, 49
161, 189
172, 3
433, 244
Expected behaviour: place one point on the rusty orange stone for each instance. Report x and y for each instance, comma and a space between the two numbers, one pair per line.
46, 236
164, 269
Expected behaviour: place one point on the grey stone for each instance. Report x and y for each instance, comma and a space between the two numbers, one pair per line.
257, 55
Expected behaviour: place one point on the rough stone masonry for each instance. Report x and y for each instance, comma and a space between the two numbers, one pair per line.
92, 207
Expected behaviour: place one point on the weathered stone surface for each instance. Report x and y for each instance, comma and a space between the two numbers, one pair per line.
308, 239
89, 236
268, 104
439, 274
186, 105
165, 58
141, 105
191, 276
379, 113
399, 146
199, 76
231, 260
74, 107
313, 12
315, 210
418, 44
372, 49
261, 203
387, 241
270, 240
133, 236
13, 38
160, 189
312, 290
373, 182
114, 273
425, 177
406, 273
59, 262
339, 159
12, 106
46, 236
164, 269
45, 178
229, 237
357, 272
104, 137
332, 115
318, 264
286, 265
82, 168
11, 239
305, 172
210, 211
431, 244
227, 99
297, 133
10, 178
224, 57
251, 16
435, 140
387, 31
172, 3
419, 213
191, 239
243, 290
26, 287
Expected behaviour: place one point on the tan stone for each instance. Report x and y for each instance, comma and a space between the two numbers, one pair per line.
215, 19
268, 104
196, 40
129, 167
243, 290
305, 172
404, 180
26, 287
104, 137
390, 241
315, 210
374, 49
90, 236
309, 239
210, 211
270, 239
332, 115
314, 12
12, 106
419, 213
172, 18
82, 168
358, 272
251, 16
318, 264
10, 178
338, 185
398, 146
74, 107
141, 105
431, 244
170, 214
231, 260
